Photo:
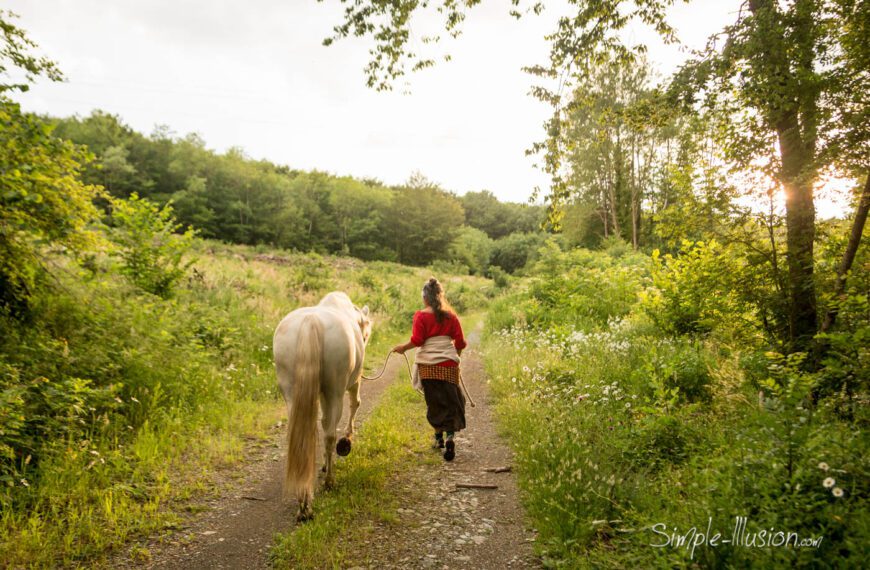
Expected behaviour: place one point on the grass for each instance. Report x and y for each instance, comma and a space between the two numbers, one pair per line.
617, 426
164, 391
393, 440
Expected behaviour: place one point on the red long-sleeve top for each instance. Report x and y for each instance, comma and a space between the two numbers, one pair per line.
426, 325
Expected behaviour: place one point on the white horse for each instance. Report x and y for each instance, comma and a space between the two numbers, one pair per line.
319, 353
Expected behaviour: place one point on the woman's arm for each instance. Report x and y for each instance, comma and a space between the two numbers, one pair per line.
401, 348
458, 337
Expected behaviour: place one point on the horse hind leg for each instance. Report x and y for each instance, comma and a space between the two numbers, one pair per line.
306, 513
344, 444
331, 415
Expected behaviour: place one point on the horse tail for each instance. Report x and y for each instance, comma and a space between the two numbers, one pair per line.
302, 423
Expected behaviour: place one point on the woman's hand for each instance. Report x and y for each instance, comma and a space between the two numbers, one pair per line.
400, 348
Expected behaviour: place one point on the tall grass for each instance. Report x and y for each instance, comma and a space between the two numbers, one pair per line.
618, 426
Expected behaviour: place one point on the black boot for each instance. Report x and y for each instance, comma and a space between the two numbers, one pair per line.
450, 451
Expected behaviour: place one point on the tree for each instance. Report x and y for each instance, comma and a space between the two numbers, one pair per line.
785, 82
43, 201
422, 221
515, 251
473, 248
15, 49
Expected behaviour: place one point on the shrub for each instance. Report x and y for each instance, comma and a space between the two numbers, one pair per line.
43, 202
678, 370
151, 252
659, 440
694, 293
513, 252
472, 248
499, 277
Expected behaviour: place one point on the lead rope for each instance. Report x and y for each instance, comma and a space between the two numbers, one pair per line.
411, 376
465, 390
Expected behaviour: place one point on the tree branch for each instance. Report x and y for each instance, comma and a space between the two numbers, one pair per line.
849, 254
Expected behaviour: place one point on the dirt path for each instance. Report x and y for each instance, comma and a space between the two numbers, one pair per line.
234, 528
441, 526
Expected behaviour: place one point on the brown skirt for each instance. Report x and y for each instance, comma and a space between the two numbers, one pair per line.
445, 405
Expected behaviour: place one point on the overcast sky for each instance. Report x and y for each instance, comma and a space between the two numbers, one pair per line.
255, 75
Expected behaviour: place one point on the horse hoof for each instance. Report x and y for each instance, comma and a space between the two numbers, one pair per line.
304, 516
343, 447
450, 452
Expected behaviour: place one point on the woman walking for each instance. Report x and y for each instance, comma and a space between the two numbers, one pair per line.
437, 334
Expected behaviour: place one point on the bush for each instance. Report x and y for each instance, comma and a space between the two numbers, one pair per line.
151, 252
43, 203
581, 288
696, 291
513, 252
678, 370
499, 277
471, 248
659, 440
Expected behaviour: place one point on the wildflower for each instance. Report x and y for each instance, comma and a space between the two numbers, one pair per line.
837, 492
823, 466
828, 482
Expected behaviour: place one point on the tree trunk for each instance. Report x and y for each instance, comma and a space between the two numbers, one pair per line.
849, 254
791, 115
800, 220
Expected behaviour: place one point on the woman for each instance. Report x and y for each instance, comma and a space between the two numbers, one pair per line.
438, 335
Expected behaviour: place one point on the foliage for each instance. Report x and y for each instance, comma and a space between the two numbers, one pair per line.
618, 425
15, 48
694, 292
515, 251
498, 219
473, 248
43, 203
777, 92
581, 288
423, 221
116, 405
236, 199
151, 251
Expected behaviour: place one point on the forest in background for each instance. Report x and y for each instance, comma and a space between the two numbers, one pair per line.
236, 199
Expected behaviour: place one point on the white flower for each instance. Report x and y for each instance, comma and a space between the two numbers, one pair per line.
838, 492
823, 466
828, 482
